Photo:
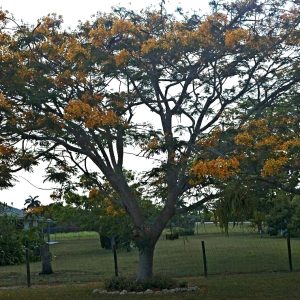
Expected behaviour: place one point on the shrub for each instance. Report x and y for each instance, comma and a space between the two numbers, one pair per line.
156, 282
13, 239
11, 248
172, 236
33, 239
185, 232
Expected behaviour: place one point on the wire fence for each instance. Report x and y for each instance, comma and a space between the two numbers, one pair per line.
78, 257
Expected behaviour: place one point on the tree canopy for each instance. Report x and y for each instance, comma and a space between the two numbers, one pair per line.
168, 85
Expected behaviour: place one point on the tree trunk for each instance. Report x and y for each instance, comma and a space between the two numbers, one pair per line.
145, 269
46, 260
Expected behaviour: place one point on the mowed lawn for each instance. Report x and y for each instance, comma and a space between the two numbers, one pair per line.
78, 258
284, 286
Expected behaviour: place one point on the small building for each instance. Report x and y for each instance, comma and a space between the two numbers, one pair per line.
6, 210
28, 221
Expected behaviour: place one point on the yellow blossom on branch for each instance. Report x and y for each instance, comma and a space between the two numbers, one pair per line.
244, 138
73, 49
110, 118
4, 103
273, 166
92, 116
98, 36
122, 57
220, 168
112, 209
211, 140
93, 193
235, 36
153, 144
2, 15
205, 32
269, 141
122, 27
77, 109
6, 150
258, 126
290, 144
149, 46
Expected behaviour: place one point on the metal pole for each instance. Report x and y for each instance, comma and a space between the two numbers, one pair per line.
204, 258
113, 243
288, 240
27, 264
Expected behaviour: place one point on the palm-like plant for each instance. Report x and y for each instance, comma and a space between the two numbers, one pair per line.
32, 202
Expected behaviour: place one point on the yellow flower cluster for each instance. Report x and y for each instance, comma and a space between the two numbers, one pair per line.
91, 115
77, 109
259, 125
72, 49
235, 36
290, 144
122, 27
64, 78
99, 35
243, 138
45, 25
2, 15
273, 166
39, 210
153, 144
6, 150
110, 118
81, 77
260, 42
122, 57
112, 210
183, 36
4, 103
253, 129
211, 140
28, 115
93, 193
269, 141
149, 46
220, 168
204, 32
26, 73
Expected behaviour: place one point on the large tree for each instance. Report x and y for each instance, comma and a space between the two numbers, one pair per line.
163, 84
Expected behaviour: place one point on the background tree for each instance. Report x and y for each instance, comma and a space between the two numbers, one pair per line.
283, 216
32, 202
73, 98
268, 148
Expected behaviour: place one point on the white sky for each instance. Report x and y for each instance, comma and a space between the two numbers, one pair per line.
72, 11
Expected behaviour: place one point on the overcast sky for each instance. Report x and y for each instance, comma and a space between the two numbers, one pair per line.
72, 11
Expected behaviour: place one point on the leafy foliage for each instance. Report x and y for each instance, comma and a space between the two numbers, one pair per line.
284, 215
13, 240
156, 282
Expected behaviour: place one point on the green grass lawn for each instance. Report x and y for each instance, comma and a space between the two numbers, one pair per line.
78, 258
283, 286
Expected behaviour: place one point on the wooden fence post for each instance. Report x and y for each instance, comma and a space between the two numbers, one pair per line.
114, 249
27, 264
204, 258
288, 240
